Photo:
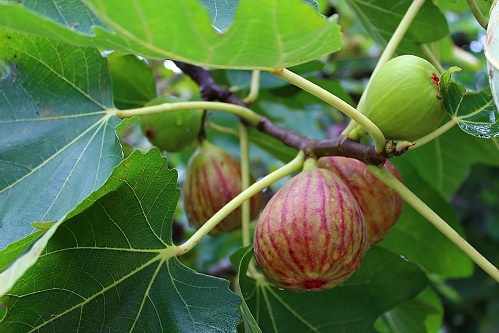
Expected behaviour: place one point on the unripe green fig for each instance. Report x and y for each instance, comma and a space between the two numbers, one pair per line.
380, 205
403, 98
213, 179
173, 131
311, 235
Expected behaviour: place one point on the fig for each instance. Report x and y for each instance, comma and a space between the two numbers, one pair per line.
380, 205
173, 131
213, 179
403, 99
311, 235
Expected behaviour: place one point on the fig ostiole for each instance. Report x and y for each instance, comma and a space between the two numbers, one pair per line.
213, 179
173, 131
403, 99
380, 205
311, 235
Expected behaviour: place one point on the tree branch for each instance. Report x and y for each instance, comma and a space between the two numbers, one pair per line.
211, 91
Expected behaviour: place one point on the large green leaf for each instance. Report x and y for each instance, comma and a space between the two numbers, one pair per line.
383, 281
111, 266
57, 141
419, 241
263, 34
380, 18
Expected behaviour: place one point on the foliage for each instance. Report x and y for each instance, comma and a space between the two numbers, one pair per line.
93, 235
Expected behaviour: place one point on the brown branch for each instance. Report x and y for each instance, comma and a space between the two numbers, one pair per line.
210, 91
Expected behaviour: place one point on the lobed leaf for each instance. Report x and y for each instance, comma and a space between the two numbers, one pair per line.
475, 112
262, 36
57, 141
112, 266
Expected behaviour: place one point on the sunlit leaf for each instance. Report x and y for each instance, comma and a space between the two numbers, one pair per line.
263, 34
475, 112
111, 266
57, 141
383, 281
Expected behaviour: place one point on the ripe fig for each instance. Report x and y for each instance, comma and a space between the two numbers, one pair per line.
380, 204
213, 179
403, 99
311, 235
172, 131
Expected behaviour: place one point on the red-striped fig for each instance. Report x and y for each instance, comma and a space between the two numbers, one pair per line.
403, 98
213, 179
172, 131
380, 204
311, 235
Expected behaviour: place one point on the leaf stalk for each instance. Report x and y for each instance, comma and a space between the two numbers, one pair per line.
335, 101
266, 181
386, 177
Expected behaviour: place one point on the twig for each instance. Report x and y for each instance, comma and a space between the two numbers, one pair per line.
317, 148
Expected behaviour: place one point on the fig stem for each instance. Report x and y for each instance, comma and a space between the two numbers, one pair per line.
245, 182
433, 135
387, 54
398, 34
386, 177
249, 115
310, 163
335, 101
481, 19
254, 87
256, 187
220, 128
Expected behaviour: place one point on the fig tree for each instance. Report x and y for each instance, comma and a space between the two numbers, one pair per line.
311, 235
403, 99
380, 204
213, 179
172, 131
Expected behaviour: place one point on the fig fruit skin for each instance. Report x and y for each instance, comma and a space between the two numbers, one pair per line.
311, 235
380, 205
213, 179
403, 98
173, 131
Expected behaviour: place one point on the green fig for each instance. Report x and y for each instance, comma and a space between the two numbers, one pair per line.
311, 235
173, 131
403, 99
213, 179
380, 204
